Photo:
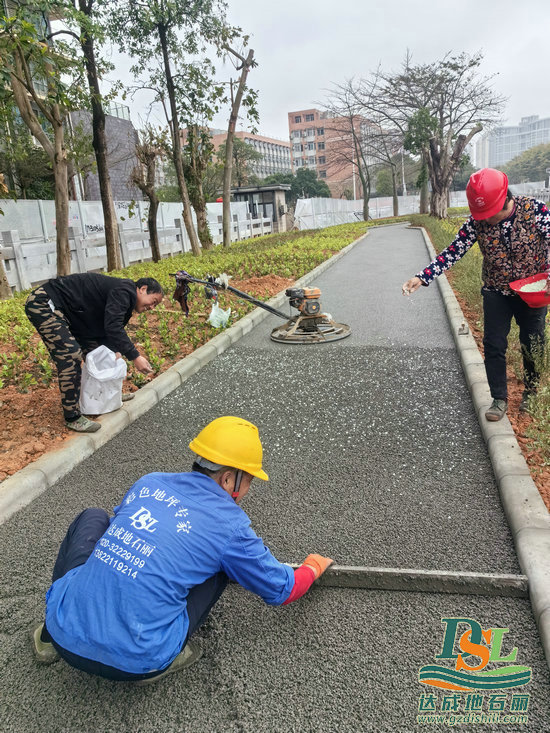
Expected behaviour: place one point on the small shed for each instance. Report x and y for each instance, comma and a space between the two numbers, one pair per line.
265, 201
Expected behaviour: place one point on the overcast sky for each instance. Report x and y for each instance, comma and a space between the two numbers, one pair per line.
304, 46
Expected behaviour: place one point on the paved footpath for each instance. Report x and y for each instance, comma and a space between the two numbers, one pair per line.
375, 458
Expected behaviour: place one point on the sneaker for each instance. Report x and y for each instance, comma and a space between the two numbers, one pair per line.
497, 410
127, 396
83, 425
190, 654
524, 403
44, 651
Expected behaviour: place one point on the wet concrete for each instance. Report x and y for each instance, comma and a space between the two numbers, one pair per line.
375, 458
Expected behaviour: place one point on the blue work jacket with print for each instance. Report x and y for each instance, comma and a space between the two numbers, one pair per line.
126, 606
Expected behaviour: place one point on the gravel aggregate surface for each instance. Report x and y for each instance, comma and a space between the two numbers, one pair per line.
375, 457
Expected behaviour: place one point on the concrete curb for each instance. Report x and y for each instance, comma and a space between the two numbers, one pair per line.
525, 510
23, 487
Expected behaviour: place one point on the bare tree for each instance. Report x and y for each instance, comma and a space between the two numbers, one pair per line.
236, 98
347, 131
148, 151
196, 159
458, 101
383, 144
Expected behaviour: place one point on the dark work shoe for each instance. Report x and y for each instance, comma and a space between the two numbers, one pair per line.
190, 654
497, 410
83, 425
524, 404
44, 652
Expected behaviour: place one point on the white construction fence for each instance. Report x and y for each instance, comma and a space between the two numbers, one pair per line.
28, 247
324, 212
319, 213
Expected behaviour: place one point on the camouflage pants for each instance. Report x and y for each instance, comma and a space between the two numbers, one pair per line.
65, 350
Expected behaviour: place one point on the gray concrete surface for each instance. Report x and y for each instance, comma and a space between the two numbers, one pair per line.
375, 457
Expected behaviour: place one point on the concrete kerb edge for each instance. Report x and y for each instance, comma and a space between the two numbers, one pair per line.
524, 508
20, 489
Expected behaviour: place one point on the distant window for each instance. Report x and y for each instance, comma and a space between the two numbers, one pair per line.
298, 119
320, 130
310, 118
320, 146
322, 160
322, 174
311, 146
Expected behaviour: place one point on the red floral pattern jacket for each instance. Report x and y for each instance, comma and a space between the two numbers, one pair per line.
513, 249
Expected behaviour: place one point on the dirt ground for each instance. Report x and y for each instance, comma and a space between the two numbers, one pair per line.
32, 424
520, 421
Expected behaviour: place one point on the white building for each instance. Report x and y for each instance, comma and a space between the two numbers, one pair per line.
502, 144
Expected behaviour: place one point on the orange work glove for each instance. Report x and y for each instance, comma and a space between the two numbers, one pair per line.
318, 564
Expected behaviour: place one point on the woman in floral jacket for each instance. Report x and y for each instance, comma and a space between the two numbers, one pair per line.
513, 233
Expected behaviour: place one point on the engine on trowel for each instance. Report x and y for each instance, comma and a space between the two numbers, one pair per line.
311, 325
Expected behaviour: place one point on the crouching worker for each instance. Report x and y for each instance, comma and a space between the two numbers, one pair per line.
77, 313
129, 591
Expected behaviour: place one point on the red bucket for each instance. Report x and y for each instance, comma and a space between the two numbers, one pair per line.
536, 299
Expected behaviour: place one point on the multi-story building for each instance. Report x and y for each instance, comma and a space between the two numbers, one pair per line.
502, 144
275, 153
122, 139
324, 144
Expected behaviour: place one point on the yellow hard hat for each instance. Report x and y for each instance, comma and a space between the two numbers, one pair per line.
231, 441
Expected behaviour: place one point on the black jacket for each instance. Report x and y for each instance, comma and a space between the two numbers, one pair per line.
97, 308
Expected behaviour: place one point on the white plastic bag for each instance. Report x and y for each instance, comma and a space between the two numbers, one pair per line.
218, 317
102, 377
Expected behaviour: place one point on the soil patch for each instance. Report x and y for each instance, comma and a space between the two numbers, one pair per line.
519, 421
32, 423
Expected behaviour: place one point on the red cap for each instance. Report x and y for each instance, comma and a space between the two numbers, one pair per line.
486, 192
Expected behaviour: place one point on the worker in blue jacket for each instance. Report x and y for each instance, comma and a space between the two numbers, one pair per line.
129, 591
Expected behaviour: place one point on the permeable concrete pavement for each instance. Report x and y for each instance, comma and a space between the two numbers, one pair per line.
375, 458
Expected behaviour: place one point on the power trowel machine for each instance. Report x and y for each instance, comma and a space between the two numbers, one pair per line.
309, 326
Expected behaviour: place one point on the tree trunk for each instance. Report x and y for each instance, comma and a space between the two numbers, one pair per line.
176, 145
152, 226
438, 204
5, 290
202, 221
247, 64
99, 144
57, 155
395, 198
60, 169
366, 213
424, 196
